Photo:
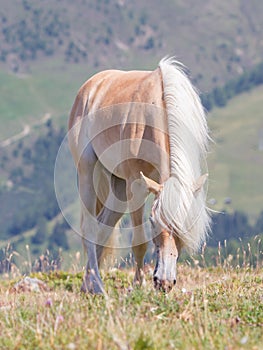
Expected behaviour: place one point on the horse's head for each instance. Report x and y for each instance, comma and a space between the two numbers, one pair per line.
167, 242
168, 248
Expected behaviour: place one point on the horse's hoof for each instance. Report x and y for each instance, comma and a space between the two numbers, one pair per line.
139, 279
92, 288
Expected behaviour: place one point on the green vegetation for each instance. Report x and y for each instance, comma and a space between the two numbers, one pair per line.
47, 52
210, 308
30, 195
88, 33
235, 162
233, 226
245, 82
28, 99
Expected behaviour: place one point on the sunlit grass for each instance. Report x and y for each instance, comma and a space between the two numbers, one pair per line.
216, 307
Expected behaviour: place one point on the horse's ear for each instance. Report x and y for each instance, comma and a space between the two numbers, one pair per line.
151, 185
199, 184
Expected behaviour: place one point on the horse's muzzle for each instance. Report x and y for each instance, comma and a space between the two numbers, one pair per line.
163, 285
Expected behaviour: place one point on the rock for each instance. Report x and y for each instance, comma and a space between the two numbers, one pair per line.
29, 284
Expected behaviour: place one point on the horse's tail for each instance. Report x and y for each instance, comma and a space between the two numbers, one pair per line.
180, 206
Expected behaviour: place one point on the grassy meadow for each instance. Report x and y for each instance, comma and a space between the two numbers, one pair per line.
211, 308
26, 99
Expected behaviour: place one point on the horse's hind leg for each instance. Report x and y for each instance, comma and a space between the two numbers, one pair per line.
89, 227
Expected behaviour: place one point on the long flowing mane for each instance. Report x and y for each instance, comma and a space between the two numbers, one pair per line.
178, 207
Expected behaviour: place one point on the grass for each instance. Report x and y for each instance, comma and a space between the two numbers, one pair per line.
26, 99
210, 308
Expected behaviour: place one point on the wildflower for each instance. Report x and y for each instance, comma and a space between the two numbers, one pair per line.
244, 340
48, 302
59, 319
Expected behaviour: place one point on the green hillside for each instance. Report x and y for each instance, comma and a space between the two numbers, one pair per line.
216, 39
236, 159
46, 52
26, 99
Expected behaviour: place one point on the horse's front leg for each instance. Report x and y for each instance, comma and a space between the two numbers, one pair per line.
92, 282
139, 246
136, 199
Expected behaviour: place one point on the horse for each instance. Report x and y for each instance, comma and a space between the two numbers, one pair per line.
132, 133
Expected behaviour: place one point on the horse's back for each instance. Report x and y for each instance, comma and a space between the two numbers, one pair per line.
110, 88
113, 87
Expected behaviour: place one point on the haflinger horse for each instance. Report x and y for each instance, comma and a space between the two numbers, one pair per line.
132, 133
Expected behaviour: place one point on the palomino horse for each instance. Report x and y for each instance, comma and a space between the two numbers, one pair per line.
131, 133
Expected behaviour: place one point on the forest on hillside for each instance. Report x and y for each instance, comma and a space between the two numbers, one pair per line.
119, 33
219, 96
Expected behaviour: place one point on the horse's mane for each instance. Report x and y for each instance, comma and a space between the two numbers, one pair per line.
178, 207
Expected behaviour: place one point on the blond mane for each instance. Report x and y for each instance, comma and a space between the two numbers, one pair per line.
178, 207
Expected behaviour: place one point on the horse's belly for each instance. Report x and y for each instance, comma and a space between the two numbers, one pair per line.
129, 139
125, 158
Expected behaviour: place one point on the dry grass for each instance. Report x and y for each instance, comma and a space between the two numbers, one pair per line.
210, 308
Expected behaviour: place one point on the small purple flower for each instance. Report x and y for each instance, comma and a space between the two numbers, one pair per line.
130, 289
48, 302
